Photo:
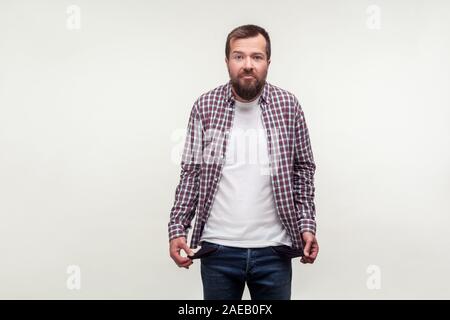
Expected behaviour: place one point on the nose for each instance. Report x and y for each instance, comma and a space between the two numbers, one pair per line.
248, 66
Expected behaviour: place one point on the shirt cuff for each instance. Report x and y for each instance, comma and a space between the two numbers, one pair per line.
176, 231
307, 225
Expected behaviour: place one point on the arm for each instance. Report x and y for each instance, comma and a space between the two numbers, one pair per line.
304, 169
187, 191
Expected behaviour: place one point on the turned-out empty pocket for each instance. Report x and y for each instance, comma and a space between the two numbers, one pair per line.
205, 250
287, 252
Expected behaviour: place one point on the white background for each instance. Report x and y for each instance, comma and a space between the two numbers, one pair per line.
90, 121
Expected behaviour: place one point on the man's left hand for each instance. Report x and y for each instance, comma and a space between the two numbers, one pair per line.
310, 247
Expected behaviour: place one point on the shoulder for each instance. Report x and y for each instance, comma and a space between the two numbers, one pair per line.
283, 98
214, 96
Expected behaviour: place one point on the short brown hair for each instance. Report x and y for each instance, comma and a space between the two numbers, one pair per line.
247, 31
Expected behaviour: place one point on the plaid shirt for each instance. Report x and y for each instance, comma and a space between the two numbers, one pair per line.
291, 161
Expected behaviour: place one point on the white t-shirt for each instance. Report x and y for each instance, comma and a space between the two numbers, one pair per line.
243, 213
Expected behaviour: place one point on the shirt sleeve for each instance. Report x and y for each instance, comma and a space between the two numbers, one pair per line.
187, 191
303, 179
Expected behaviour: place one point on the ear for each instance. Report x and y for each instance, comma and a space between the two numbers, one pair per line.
268, 62
226, 60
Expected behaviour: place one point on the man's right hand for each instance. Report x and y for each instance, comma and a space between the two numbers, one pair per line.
175, 247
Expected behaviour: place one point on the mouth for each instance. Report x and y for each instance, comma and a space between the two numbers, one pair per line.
248, 77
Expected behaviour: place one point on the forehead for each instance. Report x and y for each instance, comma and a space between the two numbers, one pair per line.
249, 45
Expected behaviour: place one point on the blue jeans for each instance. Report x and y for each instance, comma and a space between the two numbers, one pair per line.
225, 270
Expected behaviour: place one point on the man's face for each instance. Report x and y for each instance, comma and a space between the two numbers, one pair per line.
247, 65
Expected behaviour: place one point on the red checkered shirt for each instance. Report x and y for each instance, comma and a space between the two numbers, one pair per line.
291, 161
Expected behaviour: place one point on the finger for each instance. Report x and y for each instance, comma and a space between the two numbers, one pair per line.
179, 259
314, 251
186, 261
305, 260
307, 248
186, 264
182, 260
186, 249
175, 252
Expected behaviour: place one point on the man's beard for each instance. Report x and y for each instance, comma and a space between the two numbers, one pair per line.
248, 89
